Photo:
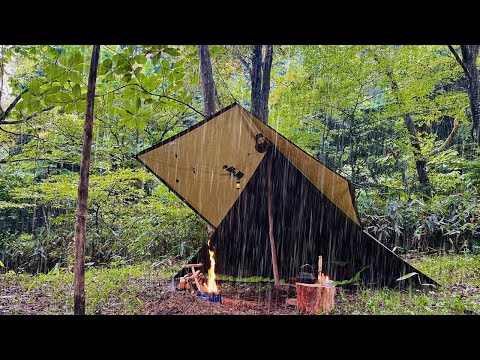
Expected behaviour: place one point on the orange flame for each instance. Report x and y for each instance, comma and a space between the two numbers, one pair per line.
211, 284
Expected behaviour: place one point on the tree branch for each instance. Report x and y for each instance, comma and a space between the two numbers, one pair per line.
450, 140
153, 94
34, 159
244, 62
11, 106
35, 114
460, 61
1, 85
9, 132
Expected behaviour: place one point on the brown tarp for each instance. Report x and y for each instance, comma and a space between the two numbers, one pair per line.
314, 209
195, 164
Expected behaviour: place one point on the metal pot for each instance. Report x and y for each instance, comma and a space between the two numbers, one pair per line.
306, 277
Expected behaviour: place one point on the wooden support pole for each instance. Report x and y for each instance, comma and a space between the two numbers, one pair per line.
276, 277
320, 275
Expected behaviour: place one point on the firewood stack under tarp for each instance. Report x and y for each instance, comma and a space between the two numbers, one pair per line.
193, 281
316, 298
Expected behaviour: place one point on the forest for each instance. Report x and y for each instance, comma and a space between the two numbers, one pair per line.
401, 122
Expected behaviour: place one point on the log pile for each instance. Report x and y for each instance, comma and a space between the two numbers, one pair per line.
193, 280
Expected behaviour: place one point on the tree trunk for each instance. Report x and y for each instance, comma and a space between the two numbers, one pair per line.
206, 78
470, 54
420, 160
469, 66
208, 92
260, 77
82, 200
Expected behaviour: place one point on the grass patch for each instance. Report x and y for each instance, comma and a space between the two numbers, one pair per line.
459, 276
125, 290
117, 290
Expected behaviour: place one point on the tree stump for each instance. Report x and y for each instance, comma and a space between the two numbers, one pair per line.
315, 298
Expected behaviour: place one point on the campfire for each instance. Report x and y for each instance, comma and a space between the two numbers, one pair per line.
209, 290
212, 293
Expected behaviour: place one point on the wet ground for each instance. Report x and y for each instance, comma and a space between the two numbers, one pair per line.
240, 299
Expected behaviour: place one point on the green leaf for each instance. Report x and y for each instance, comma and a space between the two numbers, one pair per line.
53, 71
179, 64
34, 106
76, 77
107, 64
53, 90
141, 59
171, 51
1, 264
148, 101
141, 78
76, 90
156, 58
64, 97
140, 302
75, 59
165, 65
70, 108
81, 106
138, 104
150, 82
406, 276
30, 286
126, 78
119, 69
34, 87
109, 76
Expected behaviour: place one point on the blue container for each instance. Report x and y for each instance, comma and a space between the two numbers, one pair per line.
210, 297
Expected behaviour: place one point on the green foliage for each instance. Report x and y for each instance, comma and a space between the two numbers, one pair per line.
353, 280
336, 102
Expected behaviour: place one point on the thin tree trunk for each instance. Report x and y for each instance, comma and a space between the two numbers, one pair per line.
266, 70
420, 160
208, 92
82, 200
256, 78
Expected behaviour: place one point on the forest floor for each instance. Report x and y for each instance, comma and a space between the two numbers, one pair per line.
142, 289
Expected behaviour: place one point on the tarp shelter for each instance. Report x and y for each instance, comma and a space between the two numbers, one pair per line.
218, 168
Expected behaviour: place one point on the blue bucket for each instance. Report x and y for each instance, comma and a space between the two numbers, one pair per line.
210, 297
